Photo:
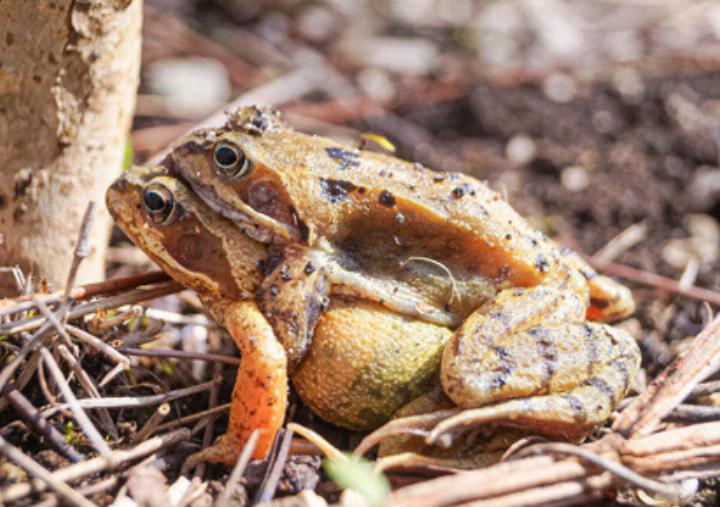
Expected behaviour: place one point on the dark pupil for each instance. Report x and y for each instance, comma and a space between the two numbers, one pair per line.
154, 201
226, 156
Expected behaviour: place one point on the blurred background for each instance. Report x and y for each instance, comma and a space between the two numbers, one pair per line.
600, 120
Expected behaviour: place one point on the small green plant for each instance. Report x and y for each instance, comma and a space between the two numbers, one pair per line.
360, 476
128, 155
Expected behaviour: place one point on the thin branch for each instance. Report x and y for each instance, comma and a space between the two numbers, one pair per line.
151, 424
81, 417
90, 389
99, 464
669, 491
210, 426
82, 248
34, 419
63, 490
238, 470
655, 280
182, 354
24, 303
269, 486
90, 489
194, 417
127, 298
136, 401
673, 385
98, 344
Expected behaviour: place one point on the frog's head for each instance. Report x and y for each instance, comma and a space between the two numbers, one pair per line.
194, 245
246, 171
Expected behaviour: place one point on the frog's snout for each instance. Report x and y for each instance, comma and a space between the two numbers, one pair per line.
115, 196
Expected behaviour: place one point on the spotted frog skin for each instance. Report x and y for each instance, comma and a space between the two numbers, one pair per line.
442, 249
365, 362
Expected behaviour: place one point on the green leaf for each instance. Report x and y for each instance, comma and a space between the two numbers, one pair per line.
128, 154
360, 476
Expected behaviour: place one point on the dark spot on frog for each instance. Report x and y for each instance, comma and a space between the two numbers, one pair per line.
274, 258
344, 157
508, 237
335, 190
284, 275
599, 303
309, 268
259, 123
361, 190
541, 263
304, 231
463, 189
3, 202
386, 199
301, 226
21, 186
9, 38
273, 290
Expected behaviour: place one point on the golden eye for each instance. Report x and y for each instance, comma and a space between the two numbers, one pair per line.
159, 203
231, 162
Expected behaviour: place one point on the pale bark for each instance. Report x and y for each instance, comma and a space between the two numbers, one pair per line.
68, 79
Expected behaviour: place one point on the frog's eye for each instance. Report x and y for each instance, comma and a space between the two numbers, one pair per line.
159, 203
231, 161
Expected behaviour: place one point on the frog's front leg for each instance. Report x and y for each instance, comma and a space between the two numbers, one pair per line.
293, 295
259, 398
527, 359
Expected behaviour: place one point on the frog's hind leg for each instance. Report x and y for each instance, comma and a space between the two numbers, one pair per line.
609, 300
557, 379
259, 397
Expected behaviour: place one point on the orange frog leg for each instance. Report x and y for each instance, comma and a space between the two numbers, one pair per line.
259, 398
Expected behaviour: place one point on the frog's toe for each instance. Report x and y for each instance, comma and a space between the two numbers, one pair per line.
417, 425
222, 451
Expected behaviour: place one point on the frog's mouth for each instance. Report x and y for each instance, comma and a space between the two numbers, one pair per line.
256, 225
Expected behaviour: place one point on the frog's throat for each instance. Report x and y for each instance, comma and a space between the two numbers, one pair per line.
258, 226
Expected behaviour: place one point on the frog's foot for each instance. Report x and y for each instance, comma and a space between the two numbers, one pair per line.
415, 425
259, 397
609, 300
225, 449
558, 379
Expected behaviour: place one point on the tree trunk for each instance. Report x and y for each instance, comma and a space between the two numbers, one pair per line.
68, 79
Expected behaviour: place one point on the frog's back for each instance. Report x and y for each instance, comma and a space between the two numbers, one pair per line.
341, 193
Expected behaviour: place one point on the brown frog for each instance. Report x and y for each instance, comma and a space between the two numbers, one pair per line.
366, 361
438, 247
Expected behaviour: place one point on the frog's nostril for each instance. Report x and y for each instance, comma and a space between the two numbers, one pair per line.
118, 185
